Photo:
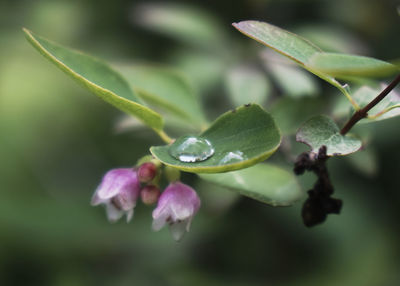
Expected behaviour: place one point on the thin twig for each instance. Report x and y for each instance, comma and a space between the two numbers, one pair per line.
362, 113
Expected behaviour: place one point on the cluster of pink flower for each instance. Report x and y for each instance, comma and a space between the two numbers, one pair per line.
120, 189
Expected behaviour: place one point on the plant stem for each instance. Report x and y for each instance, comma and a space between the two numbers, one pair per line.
164, 136
362, 113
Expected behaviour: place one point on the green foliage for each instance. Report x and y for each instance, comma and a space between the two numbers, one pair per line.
322, 130
241, 138
247, 85
166, 88
263, 182
97, 77
343, 65
312, 58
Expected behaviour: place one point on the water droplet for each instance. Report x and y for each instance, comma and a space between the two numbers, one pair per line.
231, 157
346, 87
191, 149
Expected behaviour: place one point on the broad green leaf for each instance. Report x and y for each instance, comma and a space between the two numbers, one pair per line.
263, 182
166, 88
321, 130
291, 79
97, 77
343, 65
240, 138
185, 23
247, 85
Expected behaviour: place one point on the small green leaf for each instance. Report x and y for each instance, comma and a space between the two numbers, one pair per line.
97, 77
167, 88
247, 85
391, 103
240, 138
263, 182
182, 22
289, 112
291, 79
344, 65
321, 130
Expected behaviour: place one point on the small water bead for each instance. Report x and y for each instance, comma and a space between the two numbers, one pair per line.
191, 149
231, 157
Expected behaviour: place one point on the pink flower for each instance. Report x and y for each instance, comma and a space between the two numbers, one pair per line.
176, 206
118, 191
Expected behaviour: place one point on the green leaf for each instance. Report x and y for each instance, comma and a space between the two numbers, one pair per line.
247, 85
282, 41
263, 182
97, 77
365, 161
240, 138
344, 65
291, 79
289, 112
167, 88
321, 130
185, 23
288, 44
391, 103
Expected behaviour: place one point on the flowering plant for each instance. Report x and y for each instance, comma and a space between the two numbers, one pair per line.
229, 151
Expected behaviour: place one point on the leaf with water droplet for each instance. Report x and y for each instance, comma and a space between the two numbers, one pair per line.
240, 138
97, 77
263, 182
321, 130
191, 148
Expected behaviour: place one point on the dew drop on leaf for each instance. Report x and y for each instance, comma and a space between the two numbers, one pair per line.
191, 149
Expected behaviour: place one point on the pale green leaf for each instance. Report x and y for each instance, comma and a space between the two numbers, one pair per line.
247, 85
263, 182
321, 130
344, 65
166, 88
182, 22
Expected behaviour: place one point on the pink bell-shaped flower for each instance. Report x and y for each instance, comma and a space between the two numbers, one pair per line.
118, 191
176, 206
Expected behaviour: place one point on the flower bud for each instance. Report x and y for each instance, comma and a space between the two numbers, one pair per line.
177, 206
150, 194
147, 171
118, 191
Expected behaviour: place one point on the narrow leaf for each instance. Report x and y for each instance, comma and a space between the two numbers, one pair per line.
97, 77
342, 65
263, 182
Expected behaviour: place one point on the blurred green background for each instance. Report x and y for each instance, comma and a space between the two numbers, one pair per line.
57, 140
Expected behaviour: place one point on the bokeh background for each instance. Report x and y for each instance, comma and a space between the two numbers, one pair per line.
57, 140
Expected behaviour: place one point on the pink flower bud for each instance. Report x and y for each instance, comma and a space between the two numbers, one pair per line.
177, 206
150, 194
118, 191
147, 171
